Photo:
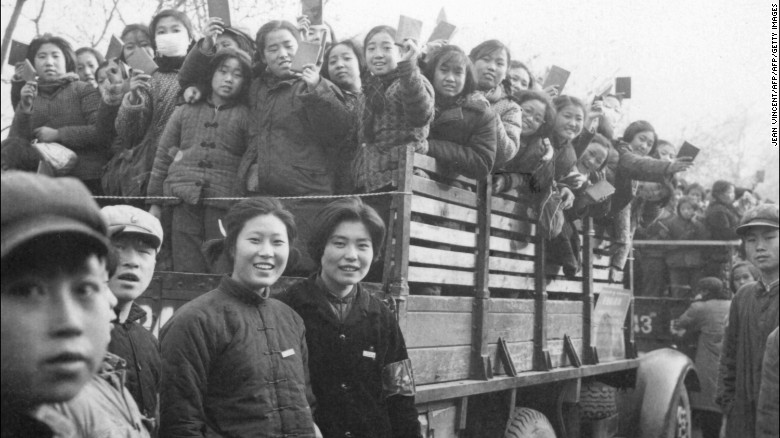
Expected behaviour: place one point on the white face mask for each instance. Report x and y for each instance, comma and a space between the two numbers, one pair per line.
172, 44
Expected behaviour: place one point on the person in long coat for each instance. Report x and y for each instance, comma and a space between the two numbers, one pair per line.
752, 317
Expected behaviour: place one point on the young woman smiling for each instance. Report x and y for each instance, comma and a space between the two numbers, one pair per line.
235, 360
360, 370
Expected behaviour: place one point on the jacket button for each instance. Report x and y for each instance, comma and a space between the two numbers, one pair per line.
343, 337
348, 435
344, 387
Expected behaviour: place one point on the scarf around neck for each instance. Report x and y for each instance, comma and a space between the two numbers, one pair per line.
169, 64
49, 87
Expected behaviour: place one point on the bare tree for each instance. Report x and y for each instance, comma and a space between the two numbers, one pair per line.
9, 30
37, 19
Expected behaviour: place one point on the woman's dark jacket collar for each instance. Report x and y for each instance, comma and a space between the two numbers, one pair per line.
243, 293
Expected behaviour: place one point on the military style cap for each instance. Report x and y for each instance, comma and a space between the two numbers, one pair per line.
129, 219
34, 205
765, 215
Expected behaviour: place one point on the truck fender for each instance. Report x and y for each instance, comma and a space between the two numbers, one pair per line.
645, 410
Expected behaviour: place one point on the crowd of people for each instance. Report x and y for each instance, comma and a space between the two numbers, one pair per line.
192, 154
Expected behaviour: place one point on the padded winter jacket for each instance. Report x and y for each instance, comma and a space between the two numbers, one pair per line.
234, 364
509, 124
463, 137
408, 110
70, 107
199, 153
347, 361
290, 132
140, 350
148, 118
752, 317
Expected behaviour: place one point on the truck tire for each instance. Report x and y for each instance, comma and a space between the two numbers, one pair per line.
597, 401
528, 423
680, 424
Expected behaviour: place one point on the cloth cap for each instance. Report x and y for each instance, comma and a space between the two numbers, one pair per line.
129, 219
764, 215
34, 205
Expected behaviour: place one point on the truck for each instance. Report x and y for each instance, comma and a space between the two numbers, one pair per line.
510, 348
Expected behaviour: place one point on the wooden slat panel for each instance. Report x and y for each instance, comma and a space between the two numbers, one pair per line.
568, 286
564, 307
444, 192
558, 355
445, 236
564, 324
443, 364
512, 327
597, 288
441, 257
511, 246
500, 281
511, 265
600, 261
523, 227
429, 164
440, 276
510, 305
437, 329
527, 283
522, 356
420, 303
443, 210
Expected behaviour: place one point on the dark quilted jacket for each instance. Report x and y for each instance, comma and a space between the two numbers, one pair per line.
145, 121
141, 351
199, 153
346, 361
71, 108
408, 111
234, 364
463, 138
291, 133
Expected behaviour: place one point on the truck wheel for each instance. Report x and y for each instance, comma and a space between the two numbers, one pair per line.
680, 424
528, 423
597, 401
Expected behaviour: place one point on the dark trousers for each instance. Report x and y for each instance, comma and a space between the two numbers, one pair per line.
193, 225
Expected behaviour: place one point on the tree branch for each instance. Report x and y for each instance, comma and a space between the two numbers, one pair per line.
107, 23
37, 19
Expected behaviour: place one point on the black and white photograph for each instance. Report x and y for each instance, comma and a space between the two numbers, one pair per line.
390, 219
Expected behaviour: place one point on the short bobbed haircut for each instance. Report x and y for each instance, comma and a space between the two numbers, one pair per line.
61, 43
357, 51
490, 47
165, 13
246, 71
345, 210
453, 55
549, 110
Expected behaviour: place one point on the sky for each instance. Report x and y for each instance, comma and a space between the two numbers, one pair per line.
691, 61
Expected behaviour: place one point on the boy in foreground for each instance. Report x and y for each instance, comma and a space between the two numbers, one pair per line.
56, 306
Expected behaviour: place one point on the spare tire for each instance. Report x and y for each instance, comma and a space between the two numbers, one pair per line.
528, 423
597, 401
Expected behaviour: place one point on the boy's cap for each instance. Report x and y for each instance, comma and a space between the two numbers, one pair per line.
129, 219
34, 205
764, 215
